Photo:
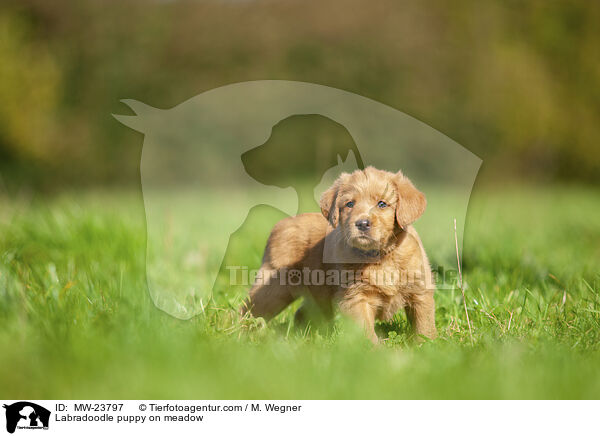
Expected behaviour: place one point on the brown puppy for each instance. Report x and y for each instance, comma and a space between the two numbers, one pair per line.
361, 253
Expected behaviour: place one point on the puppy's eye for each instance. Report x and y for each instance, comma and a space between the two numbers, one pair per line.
350, 204
382, 205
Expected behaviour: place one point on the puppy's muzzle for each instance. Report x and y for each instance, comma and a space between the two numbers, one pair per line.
363, 225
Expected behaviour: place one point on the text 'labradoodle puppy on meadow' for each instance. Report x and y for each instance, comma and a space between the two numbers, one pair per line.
361, 253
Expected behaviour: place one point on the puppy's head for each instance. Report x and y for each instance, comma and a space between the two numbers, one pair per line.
371, 206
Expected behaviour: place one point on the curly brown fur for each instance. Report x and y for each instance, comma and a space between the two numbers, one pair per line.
376, 246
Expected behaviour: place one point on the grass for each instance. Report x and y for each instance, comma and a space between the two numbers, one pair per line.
76, 320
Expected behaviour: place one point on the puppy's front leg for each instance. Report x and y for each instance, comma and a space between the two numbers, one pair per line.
363, 314
420, 312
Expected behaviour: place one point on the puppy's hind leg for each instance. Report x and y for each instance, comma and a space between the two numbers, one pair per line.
268, 295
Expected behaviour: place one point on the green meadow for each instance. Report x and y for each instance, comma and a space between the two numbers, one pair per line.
77, 321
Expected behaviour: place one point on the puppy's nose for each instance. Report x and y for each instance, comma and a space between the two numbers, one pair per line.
363, 224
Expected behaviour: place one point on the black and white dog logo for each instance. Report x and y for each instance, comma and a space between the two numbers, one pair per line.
26, 415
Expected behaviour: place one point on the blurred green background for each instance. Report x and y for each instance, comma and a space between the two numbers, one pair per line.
517, 83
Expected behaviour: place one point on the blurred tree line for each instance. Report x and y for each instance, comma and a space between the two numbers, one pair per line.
517, 83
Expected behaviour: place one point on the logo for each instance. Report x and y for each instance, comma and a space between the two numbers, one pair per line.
26, 415
209, 164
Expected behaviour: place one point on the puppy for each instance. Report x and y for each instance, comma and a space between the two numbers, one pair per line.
361, 253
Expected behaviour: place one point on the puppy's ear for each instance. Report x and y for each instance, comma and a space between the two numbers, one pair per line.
328, 204
410, 203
